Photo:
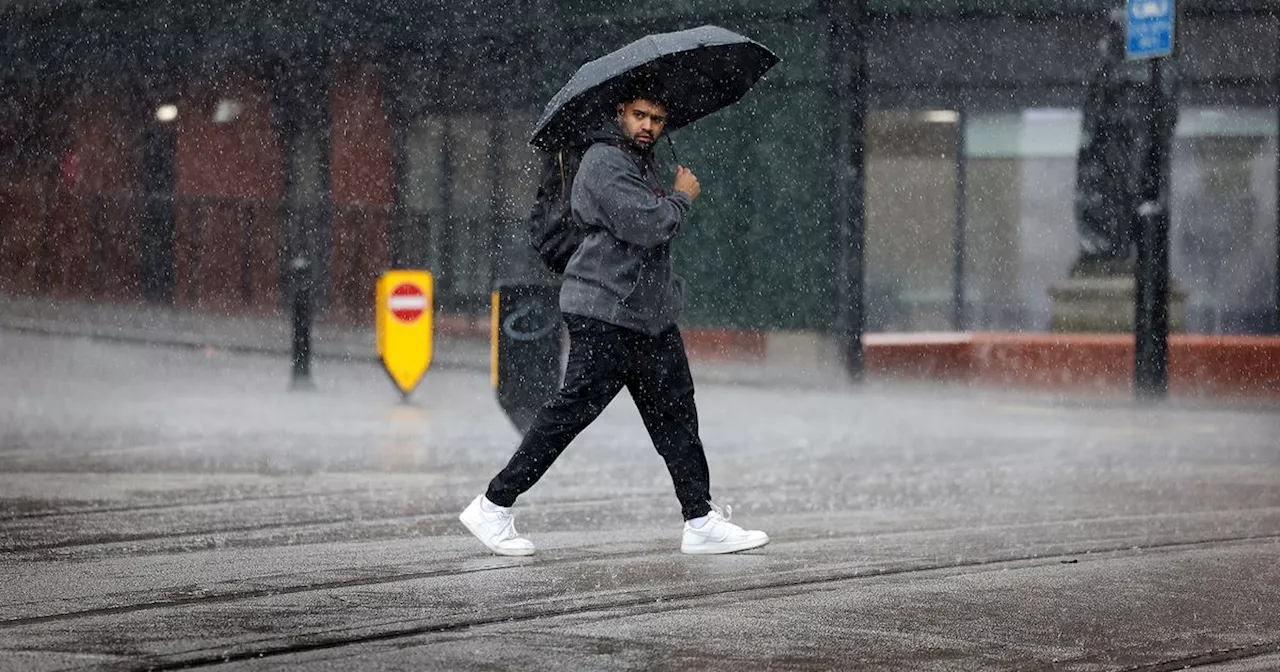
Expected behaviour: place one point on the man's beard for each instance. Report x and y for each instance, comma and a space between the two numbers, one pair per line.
634, 141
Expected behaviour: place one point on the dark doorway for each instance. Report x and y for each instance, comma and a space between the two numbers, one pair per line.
156, 234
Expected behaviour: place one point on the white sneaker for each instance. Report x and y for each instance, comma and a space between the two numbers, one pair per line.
718, 535
496, 529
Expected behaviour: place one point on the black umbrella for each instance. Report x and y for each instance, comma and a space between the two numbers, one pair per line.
702, 69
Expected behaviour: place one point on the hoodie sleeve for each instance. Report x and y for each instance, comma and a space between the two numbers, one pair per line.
609, 192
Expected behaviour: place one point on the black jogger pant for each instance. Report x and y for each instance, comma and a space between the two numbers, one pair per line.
603, 358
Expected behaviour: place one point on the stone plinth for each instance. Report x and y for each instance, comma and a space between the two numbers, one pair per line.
1105, 304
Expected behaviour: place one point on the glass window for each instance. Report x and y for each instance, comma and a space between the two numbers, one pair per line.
518, 184
470, 183
1223, 218
1021, 229
1020, 219
452, 178
910, 201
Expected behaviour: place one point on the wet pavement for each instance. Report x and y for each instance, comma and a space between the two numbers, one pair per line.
163, 508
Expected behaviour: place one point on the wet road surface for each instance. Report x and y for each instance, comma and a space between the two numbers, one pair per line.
164, 508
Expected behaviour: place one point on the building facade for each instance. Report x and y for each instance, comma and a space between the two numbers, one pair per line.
186, 156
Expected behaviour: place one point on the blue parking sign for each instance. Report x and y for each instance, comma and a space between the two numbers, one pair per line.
1149, 28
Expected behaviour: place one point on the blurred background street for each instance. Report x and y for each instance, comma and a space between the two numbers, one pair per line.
167, 507
982, 301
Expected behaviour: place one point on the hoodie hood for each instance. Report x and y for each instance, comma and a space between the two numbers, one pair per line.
608, 131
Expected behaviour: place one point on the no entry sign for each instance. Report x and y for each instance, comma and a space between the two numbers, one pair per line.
407, 302
404, 326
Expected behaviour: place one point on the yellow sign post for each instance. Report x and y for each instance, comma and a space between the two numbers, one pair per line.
403, 323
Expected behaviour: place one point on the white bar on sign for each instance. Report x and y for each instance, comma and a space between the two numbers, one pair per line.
407, 302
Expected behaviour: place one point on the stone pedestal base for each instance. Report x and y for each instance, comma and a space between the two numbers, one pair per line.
1104, 304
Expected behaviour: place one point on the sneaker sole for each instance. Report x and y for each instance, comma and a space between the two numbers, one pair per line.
721, 549
510, 552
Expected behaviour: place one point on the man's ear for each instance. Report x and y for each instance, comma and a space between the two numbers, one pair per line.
620, 108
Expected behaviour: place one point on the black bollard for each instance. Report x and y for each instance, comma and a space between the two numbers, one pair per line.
301, 280
526, 349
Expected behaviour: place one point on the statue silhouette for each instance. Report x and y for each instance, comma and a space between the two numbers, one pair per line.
1114, 140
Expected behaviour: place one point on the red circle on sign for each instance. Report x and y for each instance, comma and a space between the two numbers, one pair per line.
407, 302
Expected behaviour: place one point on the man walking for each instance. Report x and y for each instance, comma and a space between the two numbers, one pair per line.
620, 300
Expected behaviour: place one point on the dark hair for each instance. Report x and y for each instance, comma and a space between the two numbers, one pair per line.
645, 87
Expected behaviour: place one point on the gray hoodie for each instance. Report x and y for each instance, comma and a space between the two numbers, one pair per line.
621, 273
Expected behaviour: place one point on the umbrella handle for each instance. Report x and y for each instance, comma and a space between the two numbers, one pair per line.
672, 145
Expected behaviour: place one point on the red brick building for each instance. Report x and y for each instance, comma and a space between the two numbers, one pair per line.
181, 197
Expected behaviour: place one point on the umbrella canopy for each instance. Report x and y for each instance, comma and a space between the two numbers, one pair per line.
702, 69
